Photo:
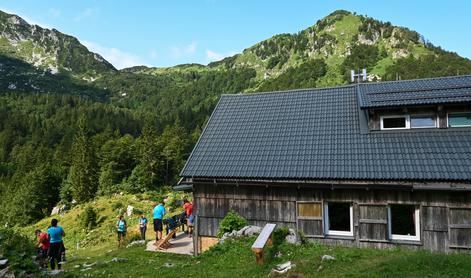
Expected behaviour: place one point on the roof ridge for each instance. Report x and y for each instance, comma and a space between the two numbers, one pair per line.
290, 90
416, 79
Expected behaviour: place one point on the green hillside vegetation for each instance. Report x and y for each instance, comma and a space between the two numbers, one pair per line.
74, 128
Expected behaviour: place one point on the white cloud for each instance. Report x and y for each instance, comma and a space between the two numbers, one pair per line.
55, 12
120, 59
179, 52
88, 12
212, 56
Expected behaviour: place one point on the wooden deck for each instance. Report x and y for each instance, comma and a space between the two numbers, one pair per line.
182, 244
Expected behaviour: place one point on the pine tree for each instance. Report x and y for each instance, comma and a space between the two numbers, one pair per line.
82, 174
148, 173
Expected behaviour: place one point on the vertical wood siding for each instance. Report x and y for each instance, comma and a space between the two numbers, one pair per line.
445, 216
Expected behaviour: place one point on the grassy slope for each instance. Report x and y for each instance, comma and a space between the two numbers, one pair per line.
108, 209
233, 258
236, 259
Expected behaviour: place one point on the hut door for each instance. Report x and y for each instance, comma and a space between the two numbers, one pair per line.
309, 218
373, 222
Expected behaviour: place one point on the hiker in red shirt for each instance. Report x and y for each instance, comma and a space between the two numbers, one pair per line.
42, 247
188, 207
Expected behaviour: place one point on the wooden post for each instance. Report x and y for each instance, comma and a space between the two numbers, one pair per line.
259, 255
270, 240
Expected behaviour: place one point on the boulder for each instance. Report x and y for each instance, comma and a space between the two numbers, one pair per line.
293, 237
167, 264
249, 231
55, 211
227, 235
136, 243
7, 273
283, 268
117, 260
58, 210
129, 210
3, 263
328, 258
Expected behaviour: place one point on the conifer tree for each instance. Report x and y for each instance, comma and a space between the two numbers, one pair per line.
82, 174
147, 174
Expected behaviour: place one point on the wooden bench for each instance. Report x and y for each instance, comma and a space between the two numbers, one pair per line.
265, 238
165, 244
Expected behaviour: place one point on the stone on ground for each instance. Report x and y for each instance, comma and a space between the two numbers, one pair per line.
327, 258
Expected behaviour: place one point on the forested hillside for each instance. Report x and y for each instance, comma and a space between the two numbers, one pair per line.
73, 127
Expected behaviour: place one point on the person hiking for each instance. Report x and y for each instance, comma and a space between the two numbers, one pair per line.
158, 214
121, 228
42, 248
143, 226
188, 207
55, 234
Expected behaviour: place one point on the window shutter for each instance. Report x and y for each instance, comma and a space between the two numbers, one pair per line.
373, 222
460, 228
309, 219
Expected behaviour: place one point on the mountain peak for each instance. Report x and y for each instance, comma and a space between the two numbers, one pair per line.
48, 49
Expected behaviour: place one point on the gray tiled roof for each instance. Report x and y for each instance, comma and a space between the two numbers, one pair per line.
442, 90
315, 134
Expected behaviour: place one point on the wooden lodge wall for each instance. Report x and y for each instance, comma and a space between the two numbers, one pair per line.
445, 216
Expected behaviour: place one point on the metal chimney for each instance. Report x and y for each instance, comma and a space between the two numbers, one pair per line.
358, 77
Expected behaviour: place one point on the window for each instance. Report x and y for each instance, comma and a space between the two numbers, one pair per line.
338, 219
395, 122
422, 121
459, 119
404, 222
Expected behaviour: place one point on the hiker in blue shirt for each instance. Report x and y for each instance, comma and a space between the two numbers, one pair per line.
121, 229
143, 226
55, 234
158, 214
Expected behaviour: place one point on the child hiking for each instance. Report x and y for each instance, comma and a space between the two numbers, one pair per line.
143, 226
121, 227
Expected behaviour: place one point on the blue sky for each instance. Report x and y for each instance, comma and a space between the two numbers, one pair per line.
166, 33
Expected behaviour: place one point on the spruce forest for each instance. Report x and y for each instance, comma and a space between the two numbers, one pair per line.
72, 127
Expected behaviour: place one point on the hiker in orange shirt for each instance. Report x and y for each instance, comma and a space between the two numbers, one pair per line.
188, 207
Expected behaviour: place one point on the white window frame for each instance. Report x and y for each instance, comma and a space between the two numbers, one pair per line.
395, 116
455, 113
405, 237
424, 115
327, 230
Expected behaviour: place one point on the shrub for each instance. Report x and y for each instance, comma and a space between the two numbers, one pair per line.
88, 218
231, 222
279, 235
19, 250
117, 206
